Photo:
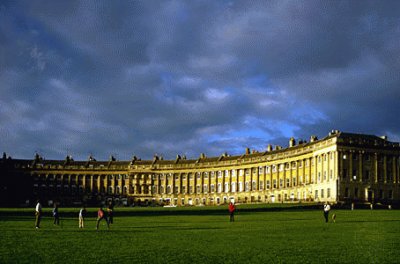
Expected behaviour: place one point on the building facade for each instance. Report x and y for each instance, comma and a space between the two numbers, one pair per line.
342, 167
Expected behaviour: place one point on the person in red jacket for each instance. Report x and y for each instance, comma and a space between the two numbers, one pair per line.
231, 212
101, 216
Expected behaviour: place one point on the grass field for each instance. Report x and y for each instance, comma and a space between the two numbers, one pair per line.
203, 235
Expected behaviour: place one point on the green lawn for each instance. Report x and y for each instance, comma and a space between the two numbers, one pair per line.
203, 235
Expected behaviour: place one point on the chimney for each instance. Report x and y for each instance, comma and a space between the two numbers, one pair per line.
269, 147
292, 142
313, 138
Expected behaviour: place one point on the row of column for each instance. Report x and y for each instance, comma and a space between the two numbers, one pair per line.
306, 173
94, 183
374, 163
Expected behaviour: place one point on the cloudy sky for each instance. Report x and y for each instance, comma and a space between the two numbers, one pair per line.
185, 77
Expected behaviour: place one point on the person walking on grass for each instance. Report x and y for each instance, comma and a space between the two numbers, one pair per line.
327, 208
110, 211
56, 216
38, 214
82, 214
232, 209
101, 216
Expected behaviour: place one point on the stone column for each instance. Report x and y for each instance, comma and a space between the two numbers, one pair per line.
376, 171
360, 167
384, 169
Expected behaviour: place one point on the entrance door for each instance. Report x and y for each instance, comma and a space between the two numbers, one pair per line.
370, 196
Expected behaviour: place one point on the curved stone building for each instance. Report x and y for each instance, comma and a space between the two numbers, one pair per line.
342, 167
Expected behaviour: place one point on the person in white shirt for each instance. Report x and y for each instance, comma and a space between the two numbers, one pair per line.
327, 208
38, 214
82, 213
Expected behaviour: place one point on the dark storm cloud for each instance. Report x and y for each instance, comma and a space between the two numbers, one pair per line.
178, 77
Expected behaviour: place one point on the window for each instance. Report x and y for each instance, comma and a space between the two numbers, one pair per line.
294, 181
268, 169
355, 192
212, 188
390, 194
233, 187
226, 187
367, 175
240, 187
219, 190
219, 174
205, 188
247, 186
324, 175
268, 185
183, 189
274, 184
316, 194
233, 172
191, 189
322, 193
331, 174
240, 172
328, 193
198, 189
287, 182
280, 183
319, 176
261, 185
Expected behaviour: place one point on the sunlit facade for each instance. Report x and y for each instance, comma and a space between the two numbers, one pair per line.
342, 167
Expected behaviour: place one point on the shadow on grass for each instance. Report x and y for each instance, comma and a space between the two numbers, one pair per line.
159, 211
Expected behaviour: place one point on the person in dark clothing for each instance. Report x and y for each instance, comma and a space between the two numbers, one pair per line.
56, 216
110, 211
327, 208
